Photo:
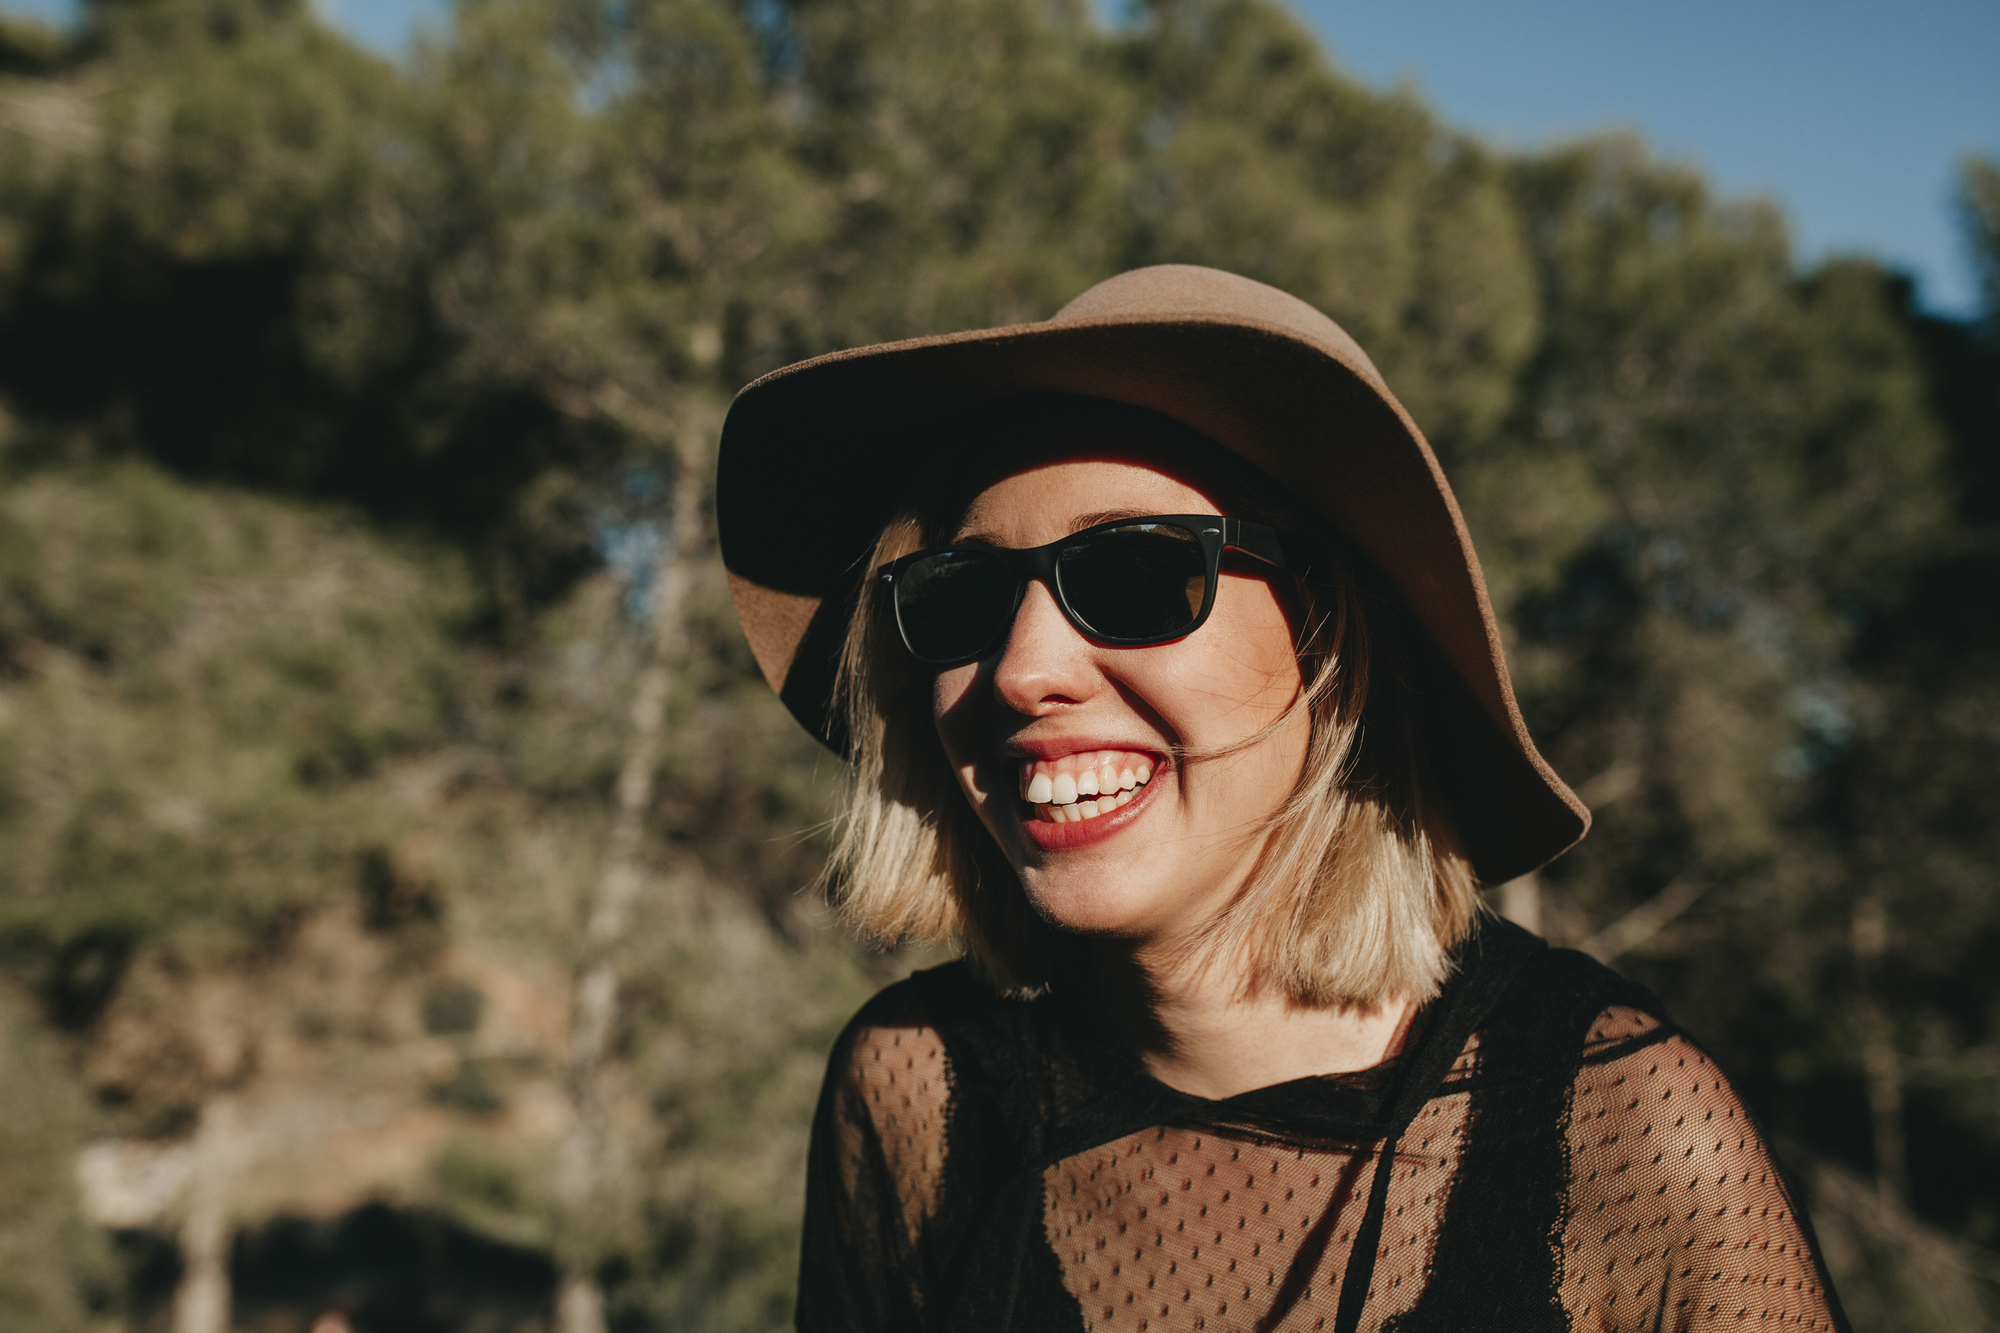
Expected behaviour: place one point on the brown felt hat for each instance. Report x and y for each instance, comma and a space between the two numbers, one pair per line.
813, 457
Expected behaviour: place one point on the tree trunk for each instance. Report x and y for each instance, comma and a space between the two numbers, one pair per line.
1880, 1061
201, 1302
594, 1024
1521, 902
1644, 921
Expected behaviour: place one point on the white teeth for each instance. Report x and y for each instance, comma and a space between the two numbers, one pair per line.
1079, 787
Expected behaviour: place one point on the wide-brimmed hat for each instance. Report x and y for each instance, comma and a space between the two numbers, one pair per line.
815, 459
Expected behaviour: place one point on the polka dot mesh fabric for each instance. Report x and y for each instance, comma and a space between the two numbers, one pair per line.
1679, 1216
898, 1075
1175, 1229
1564, 1158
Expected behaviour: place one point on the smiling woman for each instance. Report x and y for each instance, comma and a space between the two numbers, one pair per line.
1173, 694
1261, 842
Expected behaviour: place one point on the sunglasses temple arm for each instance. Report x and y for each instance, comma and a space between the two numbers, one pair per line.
1256, 540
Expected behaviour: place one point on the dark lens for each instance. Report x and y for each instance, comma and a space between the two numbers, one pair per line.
954, 604
1141, 582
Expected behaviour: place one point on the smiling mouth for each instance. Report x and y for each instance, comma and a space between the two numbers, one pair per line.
1083, 786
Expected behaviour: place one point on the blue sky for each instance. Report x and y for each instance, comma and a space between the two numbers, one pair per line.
1853, 116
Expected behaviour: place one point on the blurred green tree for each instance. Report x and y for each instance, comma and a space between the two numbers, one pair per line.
361, 643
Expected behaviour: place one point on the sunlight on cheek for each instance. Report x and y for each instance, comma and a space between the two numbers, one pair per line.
1241, 691
948, 692
1258, 671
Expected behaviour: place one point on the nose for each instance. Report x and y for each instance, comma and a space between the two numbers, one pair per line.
1045, 664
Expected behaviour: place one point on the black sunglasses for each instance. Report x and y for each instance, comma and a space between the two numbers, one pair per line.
1127, 583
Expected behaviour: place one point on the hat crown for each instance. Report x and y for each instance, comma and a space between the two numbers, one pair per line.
1165, 291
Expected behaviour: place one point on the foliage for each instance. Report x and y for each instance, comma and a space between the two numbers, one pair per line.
51, 1263
346, 405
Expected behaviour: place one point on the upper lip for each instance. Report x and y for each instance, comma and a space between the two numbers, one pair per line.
1055, 747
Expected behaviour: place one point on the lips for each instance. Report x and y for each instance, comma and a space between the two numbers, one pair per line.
1074, 797
1085, 785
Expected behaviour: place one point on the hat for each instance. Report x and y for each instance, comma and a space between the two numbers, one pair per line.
812, 456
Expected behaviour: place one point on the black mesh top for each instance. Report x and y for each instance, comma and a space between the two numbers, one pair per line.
1548, 1152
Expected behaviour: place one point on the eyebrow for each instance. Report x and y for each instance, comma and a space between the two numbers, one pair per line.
1078, 524
1105, 516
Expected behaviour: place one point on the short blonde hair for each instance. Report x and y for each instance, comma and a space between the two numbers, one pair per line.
1361, 891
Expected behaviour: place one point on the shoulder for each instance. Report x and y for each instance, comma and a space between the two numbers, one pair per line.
886, 1106
891, 1042
916, 1038
1642, 1093
1565, 982
1676, 1202
1550, 1008
940, 1000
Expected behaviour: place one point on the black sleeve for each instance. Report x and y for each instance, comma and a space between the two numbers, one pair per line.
872, 1172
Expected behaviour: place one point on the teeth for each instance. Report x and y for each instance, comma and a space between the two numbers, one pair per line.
1083, 786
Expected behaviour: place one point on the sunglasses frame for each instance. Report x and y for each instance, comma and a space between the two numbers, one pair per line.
1215, 532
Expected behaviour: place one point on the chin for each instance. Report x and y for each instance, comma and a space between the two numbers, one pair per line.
1093, 910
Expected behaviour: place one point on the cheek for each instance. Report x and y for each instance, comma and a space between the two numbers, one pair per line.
951, 694
1255, 662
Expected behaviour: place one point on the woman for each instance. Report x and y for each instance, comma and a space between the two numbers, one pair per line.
1173, 695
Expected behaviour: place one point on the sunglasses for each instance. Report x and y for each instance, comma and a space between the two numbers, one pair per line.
1127, 583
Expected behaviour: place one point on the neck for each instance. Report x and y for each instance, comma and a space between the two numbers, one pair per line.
1201, 1030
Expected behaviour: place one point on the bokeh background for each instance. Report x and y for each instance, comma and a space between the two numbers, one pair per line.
400, 857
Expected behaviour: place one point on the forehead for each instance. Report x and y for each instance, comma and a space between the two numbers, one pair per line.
1059, 495
1061, 468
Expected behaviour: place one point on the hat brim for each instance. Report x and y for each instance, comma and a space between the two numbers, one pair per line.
811, 456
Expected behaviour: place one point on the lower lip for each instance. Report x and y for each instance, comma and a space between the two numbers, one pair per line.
1085, 832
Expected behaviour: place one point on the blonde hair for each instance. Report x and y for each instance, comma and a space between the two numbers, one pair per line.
1360, 892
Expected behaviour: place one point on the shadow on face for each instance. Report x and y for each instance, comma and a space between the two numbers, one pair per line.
1049, 697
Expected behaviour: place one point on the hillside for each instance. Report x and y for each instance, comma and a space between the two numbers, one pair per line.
400, 857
